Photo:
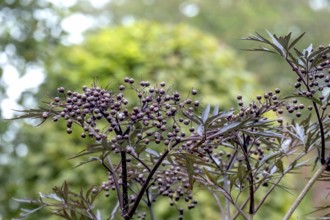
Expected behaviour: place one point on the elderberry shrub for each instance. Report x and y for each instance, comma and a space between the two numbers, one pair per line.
159, 145
140, 133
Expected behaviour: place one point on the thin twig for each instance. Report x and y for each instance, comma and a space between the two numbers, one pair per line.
244, 147
115, 179
147, 181
225, 186
303, 193
113, 214
219, 205
124, 184
318, 116
149, 203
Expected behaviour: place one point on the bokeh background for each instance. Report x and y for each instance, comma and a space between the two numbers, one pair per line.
190, 44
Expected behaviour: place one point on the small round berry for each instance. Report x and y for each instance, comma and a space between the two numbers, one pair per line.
69, 130
194, 92
121, 87
60, 89
45, 115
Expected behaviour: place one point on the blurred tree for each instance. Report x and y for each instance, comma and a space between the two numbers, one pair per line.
29, 30
155, 52
146, 50
231, 20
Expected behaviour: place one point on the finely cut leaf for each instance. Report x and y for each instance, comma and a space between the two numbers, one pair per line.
50, 196
296, 41
91, 159
26, 212
190, 169
152, 152
278, 45
209, 176
206, 113
215, 110
279, 165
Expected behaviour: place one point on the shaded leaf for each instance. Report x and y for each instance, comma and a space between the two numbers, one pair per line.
268, 134
91, 159
295, 41
190, 170
217, 118
279, 165
240, 173
313, 99
209, 176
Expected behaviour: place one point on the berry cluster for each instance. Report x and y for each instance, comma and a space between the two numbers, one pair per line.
96, 107
315, 76
158, 117
237, 138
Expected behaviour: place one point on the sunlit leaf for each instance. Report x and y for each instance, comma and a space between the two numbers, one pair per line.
206, 113
215, 110
98, 215
278, 45
308, 51
51, 196
286, 144
152, 152
25, 200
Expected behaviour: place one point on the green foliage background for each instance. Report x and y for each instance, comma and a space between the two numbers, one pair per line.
201, 52
178, 54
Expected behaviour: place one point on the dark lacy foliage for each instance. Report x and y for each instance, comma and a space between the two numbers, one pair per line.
154, 143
